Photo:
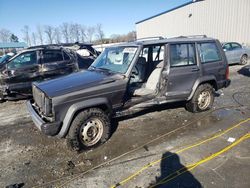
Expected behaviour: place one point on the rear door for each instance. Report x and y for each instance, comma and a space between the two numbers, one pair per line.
22, 71
183, 70
56, 63
212, 61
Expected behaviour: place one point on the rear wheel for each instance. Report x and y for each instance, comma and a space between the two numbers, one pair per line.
243, 60
89, 129
202, 100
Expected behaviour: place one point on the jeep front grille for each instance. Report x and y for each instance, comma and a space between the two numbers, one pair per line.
41, 101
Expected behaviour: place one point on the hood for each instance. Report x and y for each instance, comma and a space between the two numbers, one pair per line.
74, 82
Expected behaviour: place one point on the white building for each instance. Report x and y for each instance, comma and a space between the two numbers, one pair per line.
226, 20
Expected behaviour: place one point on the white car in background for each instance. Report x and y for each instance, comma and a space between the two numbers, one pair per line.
236, 53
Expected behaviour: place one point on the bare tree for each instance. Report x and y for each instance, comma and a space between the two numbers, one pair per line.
99, 33
90, 33
48, 30
33, 38
82, 33
5, 35
65, 31
57, 35
74, 32
40, 34
114, 38
131, 36
26, 34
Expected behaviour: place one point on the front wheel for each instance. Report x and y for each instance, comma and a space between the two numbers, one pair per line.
202, 100
89, 129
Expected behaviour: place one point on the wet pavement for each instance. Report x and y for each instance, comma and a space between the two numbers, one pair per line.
27, 156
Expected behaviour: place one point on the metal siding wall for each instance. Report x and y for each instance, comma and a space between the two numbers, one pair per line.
227, 20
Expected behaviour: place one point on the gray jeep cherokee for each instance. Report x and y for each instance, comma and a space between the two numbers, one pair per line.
127, 78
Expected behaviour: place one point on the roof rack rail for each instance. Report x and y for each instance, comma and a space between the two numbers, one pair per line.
59, 45
192, 36
44, 46
150, 38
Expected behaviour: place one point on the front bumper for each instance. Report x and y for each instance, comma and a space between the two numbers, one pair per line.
50, 129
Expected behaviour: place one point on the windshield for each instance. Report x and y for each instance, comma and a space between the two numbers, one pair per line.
115, 59
4, 58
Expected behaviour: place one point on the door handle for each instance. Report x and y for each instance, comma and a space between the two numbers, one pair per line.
195, 69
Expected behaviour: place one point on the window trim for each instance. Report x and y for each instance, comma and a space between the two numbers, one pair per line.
218, 50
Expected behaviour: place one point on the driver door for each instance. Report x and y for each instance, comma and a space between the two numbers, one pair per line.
22, 71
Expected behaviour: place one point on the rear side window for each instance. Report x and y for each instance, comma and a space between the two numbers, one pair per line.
236, 46
182, 55
52, 56
209, 52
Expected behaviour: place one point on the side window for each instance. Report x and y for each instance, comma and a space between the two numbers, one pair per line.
50, 56
236, 46
66, 56
227, 47
182, 55
208, 52
24, 59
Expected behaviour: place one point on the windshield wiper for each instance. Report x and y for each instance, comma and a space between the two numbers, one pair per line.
92, 67
104, 69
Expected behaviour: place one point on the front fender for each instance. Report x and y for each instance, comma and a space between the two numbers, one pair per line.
73, 109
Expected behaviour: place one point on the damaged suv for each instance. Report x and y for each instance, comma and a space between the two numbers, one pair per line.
40, 63
127, 78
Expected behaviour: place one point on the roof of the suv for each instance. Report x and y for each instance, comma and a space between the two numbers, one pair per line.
166, 40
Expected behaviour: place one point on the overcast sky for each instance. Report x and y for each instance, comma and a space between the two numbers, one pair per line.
116, 16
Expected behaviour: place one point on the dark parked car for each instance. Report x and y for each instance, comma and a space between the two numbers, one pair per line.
41, 63
127, 78
236, 53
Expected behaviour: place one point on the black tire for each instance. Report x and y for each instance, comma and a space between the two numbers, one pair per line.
195, 104
243, 60
85, 125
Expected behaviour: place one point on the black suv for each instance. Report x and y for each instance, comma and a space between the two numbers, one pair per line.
40, 63
126, 78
